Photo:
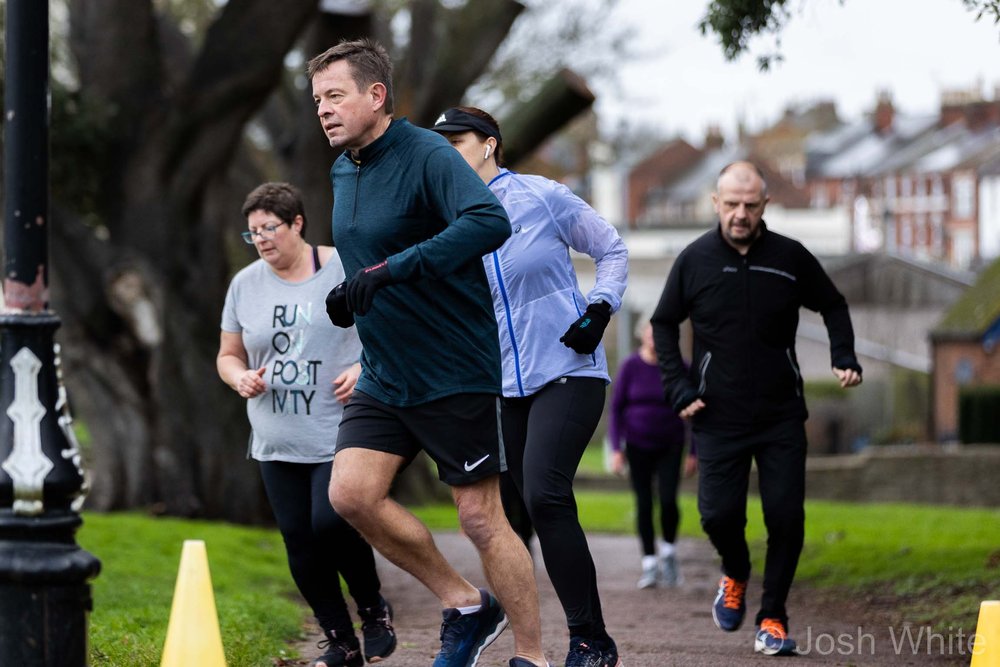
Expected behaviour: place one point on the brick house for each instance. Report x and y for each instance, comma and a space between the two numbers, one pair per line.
913, 183
965, 349
663, 166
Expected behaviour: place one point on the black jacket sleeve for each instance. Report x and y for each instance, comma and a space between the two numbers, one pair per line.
822, 296
670, 312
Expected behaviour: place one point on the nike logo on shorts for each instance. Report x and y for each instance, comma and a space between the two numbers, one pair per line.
469, 467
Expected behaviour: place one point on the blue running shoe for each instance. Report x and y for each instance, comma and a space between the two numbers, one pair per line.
772, 639
464, 636
730, 604
584, 653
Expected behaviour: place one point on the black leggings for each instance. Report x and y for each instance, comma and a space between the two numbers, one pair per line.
666, 465
321, 546
545, 435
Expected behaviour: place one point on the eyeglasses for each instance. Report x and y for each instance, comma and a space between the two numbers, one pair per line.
266, 232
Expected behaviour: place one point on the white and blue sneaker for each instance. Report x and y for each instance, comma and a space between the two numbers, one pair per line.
772, 639
669, 573
464, 636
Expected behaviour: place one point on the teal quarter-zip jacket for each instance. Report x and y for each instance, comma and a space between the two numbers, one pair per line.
410, 198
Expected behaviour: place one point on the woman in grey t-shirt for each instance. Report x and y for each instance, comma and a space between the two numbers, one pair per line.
279, 351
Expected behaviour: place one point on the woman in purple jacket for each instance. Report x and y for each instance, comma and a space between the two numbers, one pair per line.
653, 437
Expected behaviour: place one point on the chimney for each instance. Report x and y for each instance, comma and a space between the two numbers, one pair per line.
713, 138
884, 112
970, 107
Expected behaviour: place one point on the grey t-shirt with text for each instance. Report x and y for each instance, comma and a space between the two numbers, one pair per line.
285, 328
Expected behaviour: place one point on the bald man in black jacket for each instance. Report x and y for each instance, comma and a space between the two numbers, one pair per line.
742, 286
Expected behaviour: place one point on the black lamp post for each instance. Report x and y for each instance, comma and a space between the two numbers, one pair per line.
44, 574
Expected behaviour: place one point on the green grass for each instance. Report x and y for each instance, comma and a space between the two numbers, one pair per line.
257, 604
593, 460
938, 562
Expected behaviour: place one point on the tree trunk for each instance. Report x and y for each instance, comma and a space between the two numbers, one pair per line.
144, 251
141, 307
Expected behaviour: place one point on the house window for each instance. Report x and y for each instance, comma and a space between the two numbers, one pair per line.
905, 187
847, 192
890, 187
963, 248
922, 235
965, 371
820, 199
963, 196
937, 185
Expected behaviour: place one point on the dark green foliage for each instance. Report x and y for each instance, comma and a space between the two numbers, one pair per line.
984, 8
979, 414
736, 22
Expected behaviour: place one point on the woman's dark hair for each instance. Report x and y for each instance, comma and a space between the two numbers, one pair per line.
281, 199
482, 115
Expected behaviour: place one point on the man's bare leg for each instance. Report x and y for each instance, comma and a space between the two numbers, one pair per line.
359, 492
506, 562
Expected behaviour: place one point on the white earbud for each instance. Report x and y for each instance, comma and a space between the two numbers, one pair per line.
487, 156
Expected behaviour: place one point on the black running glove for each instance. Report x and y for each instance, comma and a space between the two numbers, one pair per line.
362, 287
336, 307
585, 334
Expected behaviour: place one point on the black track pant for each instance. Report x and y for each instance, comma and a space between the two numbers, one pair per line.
321, 545
724, 473
544, 436
665, 464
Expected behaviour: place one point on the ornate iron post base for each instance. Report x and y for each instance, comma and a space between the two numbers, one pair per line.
44, 574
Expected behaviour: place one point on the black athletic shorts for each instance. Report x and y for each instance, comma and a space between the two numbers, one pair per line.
461, 433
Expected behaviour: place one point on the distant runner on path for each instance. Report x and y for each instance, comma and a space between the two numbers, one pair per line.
742, 286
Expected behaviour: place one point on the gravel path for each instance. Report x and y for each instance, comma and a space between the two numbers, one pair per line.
666, 627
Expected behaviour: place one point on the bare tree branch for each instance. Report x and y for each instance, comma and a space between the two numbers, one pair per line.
468, 40
240, 64
559, 101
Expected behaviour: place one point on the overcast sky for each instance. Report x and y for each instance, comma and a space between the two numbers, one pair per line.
843, 52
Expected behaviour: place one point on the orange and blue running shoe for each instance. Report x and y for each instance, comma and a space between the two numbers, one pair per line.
730, 606
772, 639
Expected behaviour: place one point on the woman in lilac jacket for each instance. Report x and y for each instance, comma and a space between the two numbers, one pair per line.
554, 369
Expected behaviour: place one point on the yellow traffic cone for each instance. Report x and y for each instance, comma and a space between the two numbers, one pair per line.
193, 636
986, 649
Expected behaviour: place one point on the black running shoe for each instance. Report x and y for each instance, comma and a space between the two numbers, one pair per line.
584, 653
376, 627
341, 651
609, 651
